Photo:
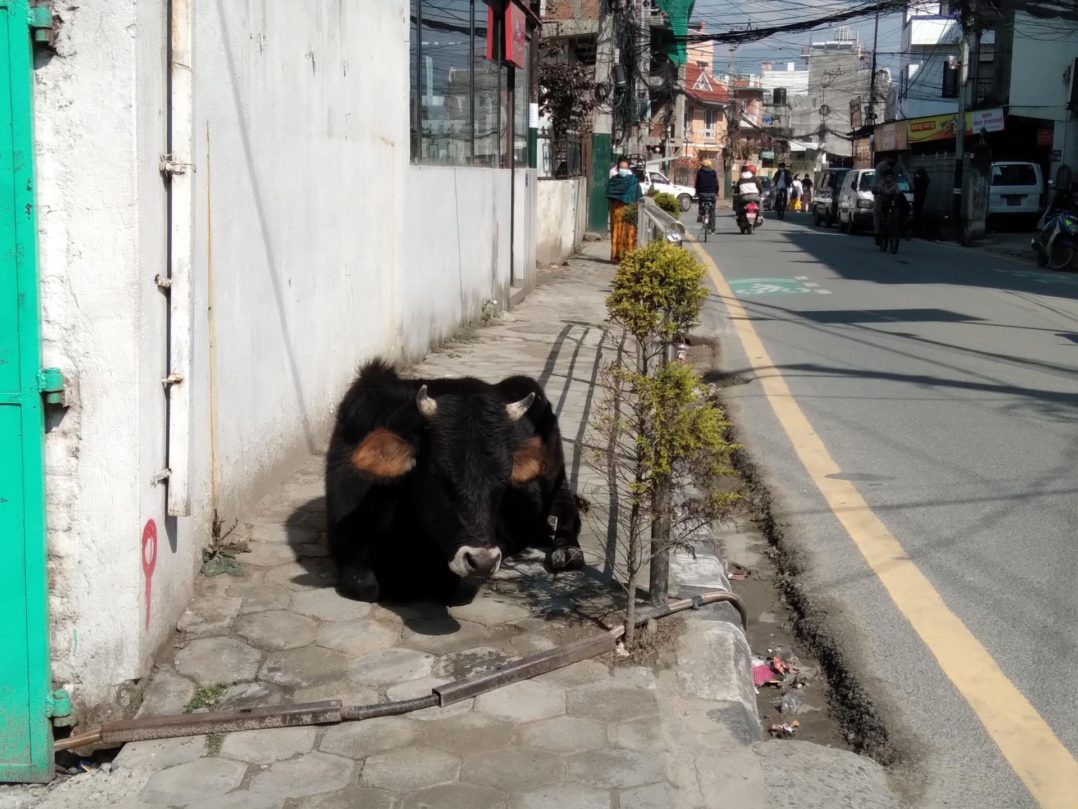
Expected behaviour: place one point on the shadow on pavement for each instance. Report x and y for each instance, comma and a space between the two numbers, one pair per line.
920, 262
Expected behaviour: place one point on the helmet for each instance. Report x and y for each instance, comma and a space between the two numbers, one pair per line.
705, 164
751, 169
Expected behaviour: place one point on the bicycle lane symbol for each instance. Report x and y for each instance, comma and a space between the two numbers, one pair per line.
751, 287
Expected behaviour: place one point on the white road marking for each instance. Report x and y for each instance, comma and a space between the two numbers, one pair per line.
801, 277
823, 292
810, 285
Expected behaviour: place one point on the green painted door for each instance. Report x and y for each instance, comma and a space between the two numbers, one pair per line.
25, 735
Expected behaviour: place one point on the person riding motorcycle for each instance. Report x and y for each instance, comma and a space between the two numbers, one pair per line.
886, 191
707, 187
747, 190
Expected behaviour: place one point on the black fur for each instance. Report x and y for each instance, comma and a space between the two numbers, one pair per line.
393, 539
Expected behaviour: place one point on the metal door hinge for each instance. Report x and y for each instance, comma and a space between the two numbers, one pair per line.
50, 383
170, 165
172, 379
58, 704
160, 477
40, 21
162, 281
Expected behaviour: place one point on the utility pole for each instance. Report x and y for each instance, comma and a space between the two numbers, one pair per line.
968, 22
872, 81
602, 128
642, 94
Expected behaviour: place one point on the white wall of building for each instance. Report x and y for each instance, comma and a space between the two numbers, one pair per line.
796, 82
99, 119
1041, 60
316, 246
929, 40
561, 219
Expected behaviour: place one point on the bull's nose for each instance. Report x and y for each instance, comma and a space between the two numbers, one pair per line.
473, 561
484, 561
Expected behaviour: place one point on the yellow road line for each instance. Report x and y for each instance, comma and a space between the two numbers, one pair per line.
1038, 758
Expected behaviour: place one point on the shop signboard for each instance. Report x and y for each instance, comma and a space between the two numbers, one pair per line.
944, 127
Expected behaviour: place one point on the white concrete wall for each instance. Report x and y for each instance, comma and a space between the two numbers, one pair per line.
561, 219
316, 246
99, 118
1038, 86
456, 251
1041, 59
300, 156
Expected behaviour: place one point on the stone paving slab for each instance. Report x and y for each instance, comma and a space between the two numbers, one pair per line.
604, 733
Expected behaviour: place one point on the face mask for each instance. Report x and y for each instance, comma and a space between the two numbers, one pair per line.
624, 172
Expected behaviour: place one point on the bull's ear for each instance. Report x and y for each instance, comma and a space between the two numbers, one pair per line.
384, 454
528, 461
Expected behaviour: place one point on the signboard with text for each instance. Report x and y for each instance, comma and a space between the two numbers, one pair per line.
515, 44
516, 35
944, 127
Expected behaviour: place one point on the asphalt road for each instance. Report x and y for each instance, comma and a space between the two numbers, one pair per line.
944, 384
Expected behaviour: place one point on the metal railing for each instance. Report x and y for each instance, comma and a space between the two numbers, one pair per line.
655, 223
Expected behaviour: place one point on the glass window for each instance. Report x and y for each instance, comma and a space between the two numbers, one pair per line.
486, 95
867, 180
1014, 174
441, 81
520, 109
505, 109
465, 109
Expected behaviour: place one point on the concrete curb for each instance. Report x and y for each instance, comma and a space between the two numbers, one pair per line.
714, 656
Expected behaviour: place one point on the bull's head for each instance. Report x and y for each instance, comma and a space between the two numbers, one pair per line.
471, 451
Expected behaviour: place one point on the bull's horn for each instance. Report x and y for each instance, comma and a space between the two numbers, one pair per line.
427, 406
517, 409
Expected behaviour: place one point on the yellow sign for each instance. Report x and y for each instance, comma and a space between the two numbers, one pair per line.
944, 127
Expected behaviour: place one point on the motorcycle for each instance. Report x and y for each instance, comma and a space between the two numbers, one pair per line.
748, 217
1056, 242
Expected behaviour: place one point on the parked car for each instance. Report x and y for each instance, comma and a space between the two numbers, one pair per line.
650, 178
855, 200
1017, 190
825, 195
767, 197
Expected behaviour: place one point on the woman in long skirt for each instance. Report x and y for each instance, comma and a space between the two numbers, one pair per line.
622, 189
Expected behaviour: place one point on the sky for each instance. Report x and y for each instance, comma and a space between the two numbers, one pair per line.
722, 15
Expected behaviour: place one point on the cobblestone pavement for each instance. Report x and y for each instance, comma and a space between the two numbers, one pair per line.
601, 733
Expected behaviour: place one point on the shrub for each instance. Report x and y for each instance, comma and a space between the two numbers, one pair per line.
657, 423
657, 292
669, 203
630, 213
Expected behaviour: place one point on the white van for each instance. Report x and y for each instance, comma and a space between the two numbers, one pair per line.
1017, 188
855, 200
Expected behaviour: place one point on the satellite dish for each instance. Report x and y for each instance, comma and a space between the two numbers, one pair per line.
824, 110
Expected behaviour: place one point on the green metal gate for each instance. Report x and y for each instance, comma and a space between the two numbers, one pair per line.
25, 699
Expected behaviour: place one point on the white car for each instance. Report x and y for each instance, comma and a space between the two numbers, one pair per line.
650, 178
1017, 188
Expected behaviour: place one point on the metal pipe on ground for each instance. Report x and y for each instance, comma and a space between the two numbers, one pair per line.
331, 712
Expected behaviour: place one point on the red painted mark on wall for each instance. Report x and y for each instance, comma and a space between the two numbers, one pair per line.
149, 560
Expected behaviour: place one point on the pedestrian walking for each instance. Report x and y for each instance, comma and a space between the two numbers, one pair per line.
921, 181
621, 189
796, 189
806, 192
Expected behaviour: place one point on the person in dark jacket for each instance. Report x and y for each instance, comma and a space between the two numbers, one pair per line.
920, 194
707, 187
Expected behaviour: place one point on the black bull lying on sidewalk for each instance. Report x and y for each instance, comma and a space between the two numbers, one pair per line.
429, 482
